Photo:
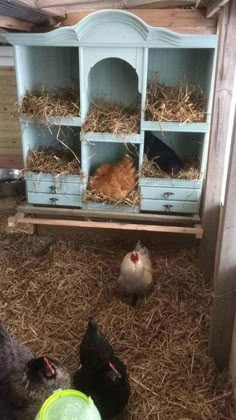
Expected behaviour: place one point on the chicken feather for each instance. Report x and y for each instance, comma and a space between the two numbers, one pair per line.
115, 180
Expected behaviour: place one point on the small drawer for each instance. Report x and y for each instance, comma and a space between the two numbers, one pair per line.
54, 187
166, 206
55, 199
159, 193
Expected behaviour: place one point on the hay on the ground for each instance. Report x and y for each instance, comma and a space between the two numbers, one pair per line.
41, 105
191, 170
53, 161
108, 117
181, 103
132, 200
47, 298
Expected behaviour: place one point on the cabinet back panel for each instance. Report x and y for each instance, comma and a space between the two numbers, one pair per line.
49, 67
115, 80
173, 65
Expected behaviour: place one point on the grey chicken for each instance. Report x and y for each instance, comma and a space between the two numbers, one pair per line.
103, 376
26, 382
135, 279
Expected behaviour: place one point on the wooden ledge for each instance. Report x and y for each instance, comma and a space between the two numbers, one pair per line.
197, 230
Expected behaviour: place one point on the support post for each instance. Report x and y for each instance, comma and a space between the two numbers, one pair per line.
224, 303
219, 130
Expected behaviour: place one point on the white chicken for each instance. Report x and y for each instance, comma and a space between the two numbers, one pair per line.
135, 279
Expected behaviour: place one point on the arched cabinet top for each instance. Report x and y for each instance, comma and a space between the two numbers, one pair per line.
116, 28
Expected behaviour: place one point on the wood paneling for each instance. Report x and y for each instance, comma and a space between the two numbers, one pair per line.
10, 138
179, 20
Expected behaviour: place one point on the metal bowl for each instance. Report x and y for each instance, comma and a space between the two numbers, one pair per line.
11, 182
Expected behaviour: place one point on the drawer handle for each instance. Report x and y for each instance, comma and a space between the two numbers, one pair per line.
167, 194
167, 206
52, 189
53, 199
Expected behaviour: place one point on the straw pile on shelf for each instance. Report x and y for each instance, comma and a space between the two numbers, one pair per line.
181, 103
53, 161
191, 170
132, 200
51, 286
107, 117
41, 105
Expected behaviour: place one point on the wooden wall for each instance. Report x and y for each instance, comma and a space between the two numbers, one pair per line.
10, 140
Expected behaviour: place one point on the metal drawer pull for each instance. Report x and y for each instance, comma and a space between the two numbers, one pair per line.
167, 206
53, 189
54, 199
167, 194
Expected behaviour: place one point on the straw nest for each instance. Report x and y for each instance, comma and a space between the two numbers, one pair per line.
132, 200
191, 170
41, 105
53, 161
50, 286
181, 103
107, 117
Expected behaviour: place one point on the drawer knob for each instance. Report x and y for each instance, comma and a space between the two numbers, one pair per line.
53, 199
167, 206
52, 189
167, 194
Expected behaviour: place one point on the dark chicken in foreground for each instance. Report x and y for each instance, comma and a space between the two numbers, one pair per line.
161, 154
103, 376
26, 382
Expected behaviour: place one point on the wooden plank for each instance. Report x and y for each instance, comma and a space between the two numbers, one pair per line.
202, 3
214, 6
7, 71
14, 23
219, 129
11, 161
8, 99
106, 225
10, 144
10, 125
224, 304
7, 108
7, 117
8, 90
10, 135
7, 81
10, 151
60, 212
172, 18
104, 4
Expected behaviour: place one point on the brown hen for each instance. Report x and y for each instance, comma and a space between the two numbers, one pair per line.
115, 180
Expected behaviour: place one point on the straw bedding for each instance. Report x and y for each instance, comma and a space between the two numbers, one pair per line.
41, 105
53, 161
132, 200
191, 170
48, 291
108, 117
181, 103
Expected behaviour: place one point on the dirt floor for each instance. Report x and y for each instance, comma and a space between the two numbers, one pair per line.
51, 285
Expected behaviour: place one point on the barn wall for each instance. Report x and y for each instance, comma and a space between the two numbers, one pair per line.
10, 141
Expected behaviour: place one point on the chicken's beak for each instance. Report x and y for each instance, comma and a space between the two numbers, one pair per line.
49, 370
115, 372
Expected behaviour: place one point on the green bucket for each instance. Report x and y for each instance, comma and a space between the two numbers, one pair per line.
68, 404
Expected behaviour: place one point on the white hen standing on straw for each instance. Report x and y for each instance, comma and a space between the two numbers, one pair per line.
135, 279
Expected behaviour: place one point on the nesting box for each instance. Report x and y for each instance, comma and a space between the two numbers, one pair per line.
113, 56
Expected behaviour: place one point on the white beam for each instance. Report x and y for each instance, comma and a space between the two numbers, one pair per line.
224, 303
214, 6
218, 136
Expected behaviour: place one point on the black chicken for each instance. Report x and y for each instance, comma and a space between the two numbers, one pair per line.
163, 155
102, 375
26, 382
